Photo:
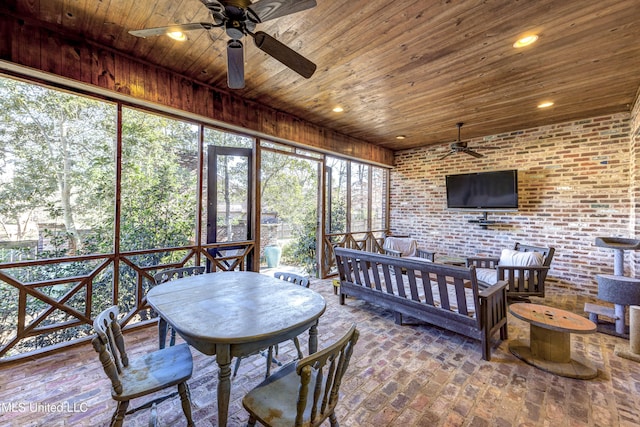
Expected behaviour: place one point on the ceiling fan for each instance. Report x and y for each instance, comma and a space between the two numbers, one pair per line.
459, 146
239, 18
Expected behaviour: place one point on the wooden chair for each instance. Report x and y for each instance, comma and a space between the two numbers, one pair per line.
166, 276
143, 376
304, 393
272, 351
296, 279
525, 268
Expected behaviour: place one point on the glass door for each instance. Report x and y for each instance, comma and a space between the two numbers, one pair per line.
229, 206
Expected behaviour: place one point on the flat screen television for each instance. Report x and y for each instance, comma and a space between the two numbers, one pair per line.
483, 190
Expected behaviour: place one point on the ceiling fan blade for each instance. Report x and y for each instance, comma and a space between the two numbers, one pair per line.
446, 155
473, 153
235, 64
159, 31
284, 54
265, 10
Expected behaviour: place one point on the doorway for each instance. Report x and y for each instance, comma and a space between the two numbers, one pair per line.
289, 210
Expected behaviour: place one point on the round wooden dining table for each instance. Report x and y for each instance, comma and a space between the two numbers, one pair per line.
236, 313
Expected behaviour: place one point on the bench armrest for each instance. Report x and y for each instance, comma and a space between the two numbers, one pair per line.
489, 291
426, 254
392, 252
482, 262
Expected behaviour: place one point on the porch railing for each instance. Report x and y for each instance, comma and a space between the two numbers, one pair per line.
370, 241
51, 303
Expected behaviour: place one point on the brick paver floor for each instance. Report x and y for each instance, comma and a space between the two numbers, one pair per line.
410, 375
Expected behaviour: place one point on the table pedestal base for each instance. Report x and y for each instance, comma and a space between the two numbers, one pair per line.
571, 368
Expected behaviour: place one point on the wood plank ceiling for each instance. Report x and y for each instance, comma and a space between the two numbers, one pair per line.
403, 67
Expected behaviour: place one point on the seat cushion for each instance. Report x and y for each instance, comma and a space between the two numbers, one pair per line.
487, 275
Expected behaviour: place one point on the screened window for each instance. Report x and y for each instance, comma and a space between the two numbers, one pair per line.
57, 173
159, 181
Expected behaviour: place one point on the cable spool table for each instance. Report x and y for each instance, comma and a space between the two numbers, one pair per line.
549, 346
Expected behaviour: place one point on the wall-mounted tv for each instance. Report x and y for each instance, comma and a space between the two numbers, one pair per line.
483, 190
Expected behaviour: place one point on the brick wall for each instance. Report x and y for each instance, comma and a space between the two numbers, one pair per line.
635, 182
577, 181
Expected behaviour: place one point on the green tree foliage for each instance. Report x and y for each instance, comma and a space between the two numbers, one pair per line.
57, 185
159, 182
288, 187
55, 147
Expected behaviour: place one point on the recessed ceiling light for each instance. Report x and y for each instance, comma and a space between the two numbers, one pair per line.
525, 41
177, 35
400, 137
338, 109
545, 104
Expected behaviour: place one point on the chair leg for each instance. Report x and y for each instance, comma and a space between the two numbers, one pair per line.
296, 342
269, 360
251, 422
185, 398
162, 332
118, 415
333, 420
153, 419
237, 366
172, 341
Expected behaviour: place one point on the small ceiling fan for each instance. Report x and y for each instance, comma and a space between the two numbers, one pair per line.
239, 18
459, 146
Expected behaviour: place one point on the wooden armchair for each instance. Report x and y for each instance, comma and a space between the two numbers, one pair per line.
143, 376
166, 276
524, 268
305, 393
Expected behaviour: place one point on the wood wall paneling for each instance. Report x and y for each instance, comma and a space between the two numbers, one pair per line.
112, 71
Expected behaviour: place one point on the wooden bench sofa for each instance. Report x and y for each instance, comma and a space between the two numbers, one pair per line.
441, 295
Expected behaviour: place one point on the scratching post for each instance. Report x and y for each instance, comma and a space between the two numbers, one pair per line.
633, 352
634, 323
617, 289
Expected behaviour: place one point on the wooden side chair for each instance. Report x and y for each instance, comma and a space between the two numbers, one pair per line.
304, 393
272, 351
166, 276
296, 279
143, 376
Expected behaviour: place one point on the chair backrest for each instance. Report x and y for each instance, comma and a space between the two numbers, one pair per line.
296, 279
109, 344
321, 375
177, 273
547, 253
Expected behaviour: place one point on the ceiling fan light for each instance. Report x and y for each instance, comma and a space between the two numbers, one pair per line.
177, 35
338, 109
525, 41
545, 104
